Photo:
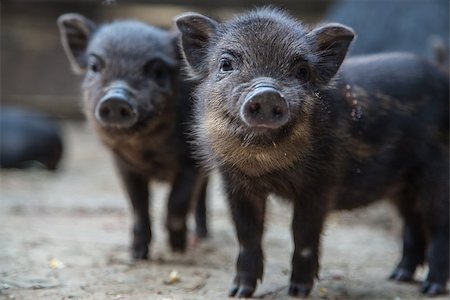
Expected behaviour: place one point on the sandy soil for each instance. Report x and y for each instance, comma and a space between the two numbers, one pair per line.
65, 235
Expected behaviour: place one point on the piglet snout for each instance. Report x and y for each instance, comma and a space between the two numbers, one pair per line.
265, 107
116, 109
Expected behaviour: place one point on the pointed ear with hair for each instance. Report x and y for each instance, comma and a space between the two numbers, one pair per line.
196, 32
330, 42
75, 31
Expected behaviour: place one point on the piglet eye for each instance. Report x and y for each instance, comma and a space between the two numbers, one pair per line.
160, 74
157, 71
226, 65
94, 64
302, 73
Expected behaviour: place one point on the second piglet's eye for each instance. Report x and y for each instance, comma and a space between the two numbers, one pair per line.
94, 64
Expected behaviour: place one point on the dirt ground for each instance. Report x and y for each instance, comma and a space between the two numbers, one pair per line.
65, 235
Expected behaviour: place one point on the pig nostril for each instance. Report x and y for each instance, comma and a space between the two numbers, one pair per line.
124, 112
254, 108
277, 111
105, 111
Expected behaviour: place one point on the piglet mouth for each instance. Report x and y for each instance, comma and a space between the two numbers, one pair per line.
261, 136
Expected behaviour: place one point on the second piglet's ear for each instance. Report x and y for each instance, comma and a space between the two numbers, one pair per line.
76, 31
330, 43
196, 32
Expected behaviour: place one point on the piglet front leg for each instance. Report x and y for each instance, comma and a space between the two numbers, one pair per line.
307, 225
137, 189
248, 212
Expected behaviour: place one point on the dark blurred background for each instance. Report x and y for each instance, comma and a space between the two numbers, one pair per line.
36, 74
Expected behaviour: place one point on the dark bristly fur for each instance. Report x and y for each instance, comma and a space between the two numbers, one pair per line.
377, 128
156, 146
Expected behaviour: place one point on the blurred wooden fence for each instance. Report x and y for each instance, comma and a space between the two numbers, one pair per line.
34, 70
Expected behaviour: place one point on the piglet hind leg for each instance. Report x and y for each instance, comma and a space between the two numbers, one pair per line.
184, 189
438, 262
414, 237
248, 216
201, 226
436, 201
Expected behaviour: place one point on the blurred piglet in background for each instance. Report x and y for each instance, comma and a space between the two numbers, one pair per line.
139, 105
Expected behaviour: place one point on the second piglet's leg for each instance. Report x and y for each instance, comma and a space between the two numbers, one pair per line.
201, 227
248, 215
185, 188
307, 225
136, 186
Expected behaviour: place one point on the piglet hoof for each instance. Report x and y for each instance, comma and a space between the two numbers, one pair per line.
177, 240
243, 286
299, 289
195, 240
241, 291
402, 274
141, 239
139, 251
201, 233
433, 288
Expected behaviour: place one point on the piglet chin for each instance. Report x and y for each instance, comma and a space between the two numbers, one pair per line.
259, 137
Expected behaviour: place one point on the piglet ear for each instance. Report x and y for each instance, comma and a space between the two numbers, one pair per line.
75, 31
196, 32
331, 43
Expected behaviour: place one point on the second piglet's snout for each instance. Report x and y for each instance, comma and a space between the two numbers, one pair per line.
117, 108
264, 107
